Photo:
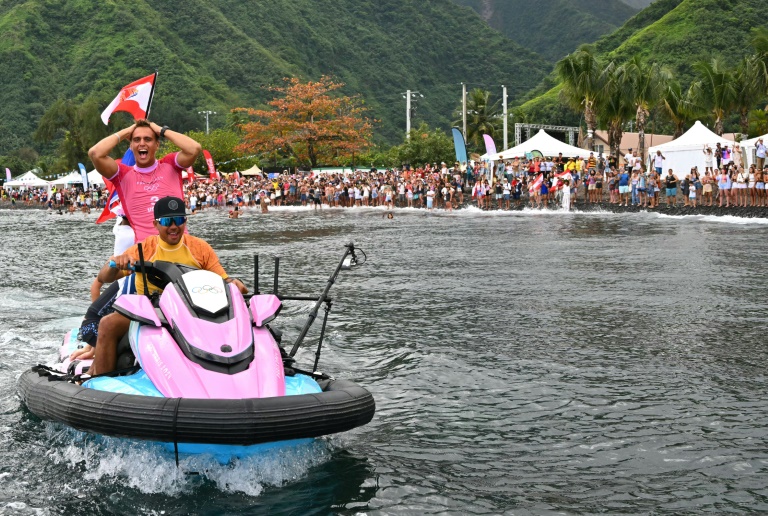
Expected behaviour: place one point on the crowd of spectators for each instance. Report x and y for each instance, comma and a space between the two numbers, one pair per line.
516, 183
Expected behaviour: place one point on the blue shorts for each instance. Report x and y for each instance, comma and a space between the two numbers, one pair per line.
429, 202
671, 192
506, 196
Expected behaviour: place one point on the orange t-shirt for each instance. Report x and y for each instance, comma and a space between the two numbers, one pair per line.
191, 251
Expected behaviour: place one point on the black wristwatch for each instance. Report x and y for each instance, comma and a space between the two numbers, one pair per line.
162, 131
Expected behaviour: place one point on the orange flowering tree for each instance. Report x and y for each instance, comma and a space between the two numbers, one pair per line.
308, 124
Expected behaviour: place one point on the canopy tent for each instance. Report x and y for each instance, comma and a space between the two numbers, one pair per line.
687, 151
72, 177
748, 150
96, 179
26, 180
253, 171
544, 143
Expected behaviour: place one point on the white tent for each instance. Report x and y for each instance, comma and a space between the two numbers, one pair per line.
253, 171
26, 180
71, 178
687, 151
96, 179
748, 149
543, 143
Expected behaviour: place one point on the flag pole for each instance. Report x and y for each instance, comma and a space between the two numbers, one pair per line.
151, 94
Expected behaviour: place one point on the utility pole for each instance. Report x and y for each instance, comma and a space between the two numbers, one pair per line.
464, 110
206, 114
409, 97
408, 113
504, 111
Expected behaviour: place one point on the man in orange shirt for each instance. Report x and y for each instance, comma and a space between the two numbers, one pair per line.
171, 244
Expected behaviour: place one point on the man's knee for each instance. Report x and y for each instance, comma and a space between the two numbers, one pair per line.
114, 325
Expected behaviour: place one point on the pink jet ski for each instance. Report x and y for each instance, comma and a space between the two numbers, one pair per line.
202, 368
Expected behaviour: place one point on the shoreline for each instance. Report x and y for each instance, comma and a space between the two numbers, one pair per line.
748, 212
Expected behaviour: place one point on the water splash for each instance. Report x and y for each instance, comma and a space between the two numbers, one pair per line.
150, 469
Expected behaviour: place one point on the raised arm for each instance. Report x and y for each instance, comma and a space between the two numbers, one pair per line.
189, 149
99, 153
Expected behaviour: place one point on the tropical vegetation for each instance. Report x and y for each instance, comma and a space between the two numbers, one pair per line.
216, 55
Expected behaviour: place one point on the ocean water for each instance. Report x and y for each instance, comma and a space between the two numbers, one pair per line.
522, 363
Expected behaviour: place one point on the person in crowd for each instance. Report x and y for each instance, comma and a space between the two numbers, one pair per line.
752, 186
658, 162
708, 182
671, 188
742, 178
655, 187
760, 153
624, 187
760, 187
724, 187
691, 190
718, 152
709, 158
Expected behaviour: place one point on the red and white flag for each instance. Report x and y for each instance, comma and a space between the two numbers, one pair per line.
134, 99
212, 174
559, 178
535, 186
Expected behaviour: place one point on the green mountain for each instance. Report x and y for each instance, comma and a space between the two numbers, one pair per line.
674, 33
638, 4
553, 28
220, 54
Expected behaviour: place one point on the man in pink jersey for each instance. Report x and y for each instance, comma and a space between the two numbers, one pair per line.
141, 185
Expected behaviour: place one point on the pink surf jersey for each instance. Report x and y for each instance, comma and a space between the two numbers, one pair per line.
140, 188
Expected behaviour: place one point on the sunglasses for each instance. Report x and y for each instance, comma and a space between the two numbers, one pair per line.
168, 221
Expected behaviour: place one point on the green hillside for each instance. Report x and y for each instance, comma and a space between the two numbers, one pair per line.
219, 54
552, 28
674, 33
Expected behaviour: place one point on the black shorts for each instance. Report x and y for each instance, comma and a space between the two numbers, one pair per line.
102, 306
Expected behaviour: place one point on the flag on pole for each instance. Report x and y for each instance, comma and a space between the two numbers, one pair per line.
7, 174
490, 145
211, 166
134, 98
114, 207
84, 176
459, 145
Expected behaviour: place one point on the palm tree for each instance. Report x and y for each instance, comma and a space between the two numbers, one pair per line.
647, 82
716, 90
482, 118
760, 41
678, 105
583, 80
617, 104
75, 125
750, 84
